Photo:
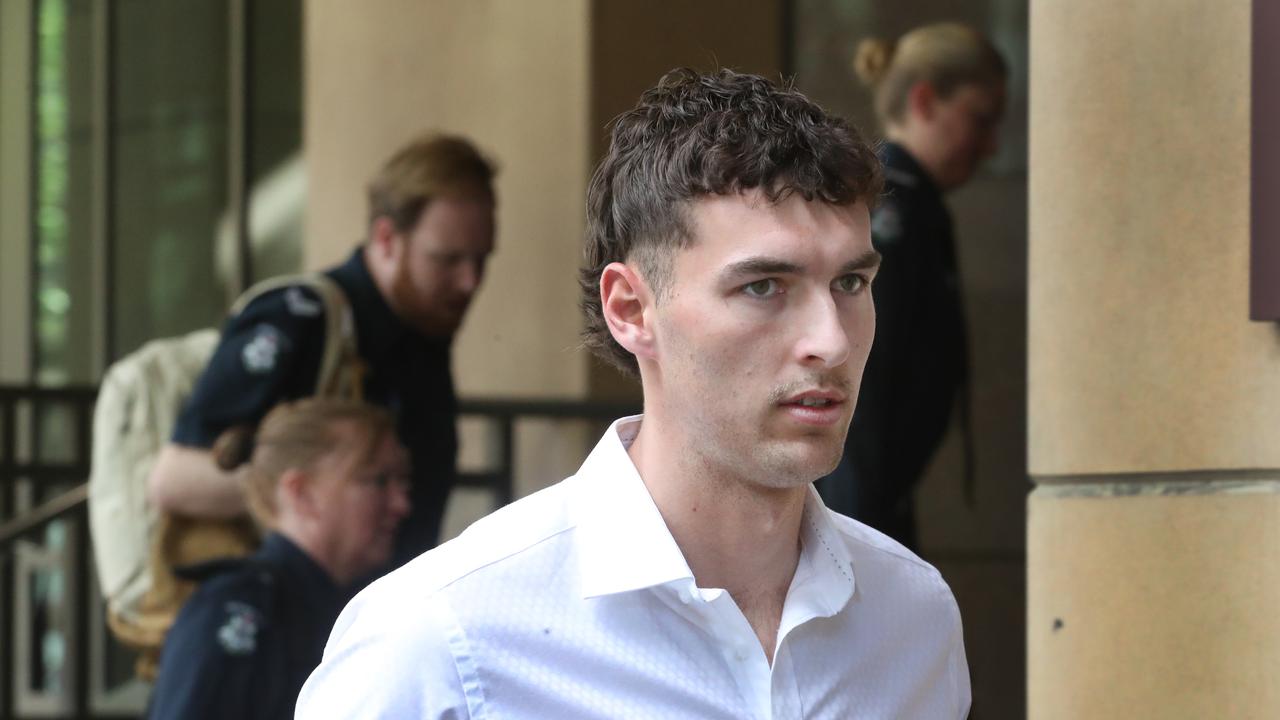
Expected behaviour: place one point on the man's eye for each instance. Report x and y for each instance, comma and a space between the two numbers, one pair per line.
851, 283
761, 288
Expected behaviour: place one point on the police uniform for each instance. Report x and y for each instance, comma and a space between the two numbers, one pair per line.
918, 365
271, 353
246, 641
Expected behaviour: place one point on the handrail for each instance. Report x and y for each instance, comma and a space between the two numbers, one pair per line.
503, 414
44, 513
573, 409
67, 502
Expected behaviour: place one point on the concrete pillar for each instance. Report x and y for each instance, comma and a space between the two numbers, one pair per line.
1153, 534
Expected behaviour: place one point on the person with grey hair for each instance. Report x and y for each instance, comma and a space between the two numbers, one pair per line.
688, 569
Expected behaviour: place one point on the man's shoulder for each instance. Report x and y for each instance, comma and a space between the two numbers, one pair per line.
872, 551
230, 610
492, 546
297, 304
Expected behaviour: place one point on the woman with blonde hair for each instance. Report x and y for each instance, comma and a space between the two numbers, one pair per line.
328, 483
939, 93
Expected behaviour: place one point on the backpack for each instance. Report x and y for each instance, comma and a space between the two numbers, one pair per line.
136, 546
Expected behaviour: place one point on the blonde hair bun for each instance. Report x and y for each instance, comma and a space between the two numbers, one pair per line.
871, 60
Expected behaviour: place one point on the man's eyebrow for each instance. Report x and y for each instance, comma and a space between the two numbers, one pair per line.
866, 261
764, 265
761, 265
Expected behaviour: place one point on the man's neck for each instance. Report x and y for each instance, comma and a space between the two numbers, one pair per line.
736, 535
914, 141
312, 541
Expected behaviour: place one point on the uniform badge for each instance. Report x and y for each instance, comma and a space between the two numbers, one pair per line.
239, 634
886, 224
260, 355
299, 304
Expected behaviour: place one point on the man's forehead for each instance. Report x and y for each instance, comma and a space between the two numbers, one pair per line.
456, 222
752, 214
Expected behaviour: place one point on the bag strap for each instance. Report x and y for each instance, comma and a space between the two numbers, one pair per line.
341, 368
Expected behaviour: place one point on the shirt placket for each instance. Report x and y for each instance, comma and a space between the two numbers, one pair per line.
742, 654
786, 692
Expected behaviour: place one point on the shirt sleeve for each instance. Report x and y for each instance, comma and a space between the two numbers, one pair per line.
210, 662
390, 658
959, 666
269, 353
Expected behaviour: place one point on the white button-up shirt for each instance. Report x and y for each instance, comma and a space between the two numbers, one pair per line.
576, 602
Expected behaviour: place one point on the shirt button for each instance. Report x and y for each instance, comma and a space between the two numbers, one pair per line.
686, 596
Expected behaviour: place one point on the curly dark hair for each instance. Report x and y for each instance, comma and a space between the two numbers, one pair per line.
694, 135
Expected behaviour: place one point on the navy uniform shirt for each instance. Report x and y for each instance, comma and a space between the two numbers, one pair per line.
246, 641
918, 362
271, 352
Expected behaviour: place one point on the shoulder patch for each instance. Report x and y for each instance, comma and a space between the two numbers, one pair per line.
261, 353
300, 304
886, 223
238, 635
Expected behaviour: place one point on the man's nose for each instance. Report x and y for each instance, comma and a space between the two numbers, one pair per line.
824, 339
468, 275
398, 503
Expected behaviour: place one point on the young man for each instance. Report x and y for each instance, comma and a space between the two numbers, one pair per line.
688, 569
431, 230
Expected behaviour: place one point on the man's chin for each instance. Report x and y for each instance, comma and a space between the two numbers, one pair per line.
437, 327
805, 462
824, 455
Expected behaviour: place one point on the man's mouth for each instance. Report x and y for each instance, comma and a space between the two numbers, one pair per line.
814, 402
821, 397
816, 407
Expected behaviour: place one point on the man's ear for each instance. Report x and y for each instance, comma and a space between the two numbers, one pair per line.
625, 301
294, 490
922, 99
385, 238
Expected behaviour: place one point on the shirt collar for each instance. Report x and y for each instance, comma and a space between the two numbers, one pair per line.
823, 583
306, 577
378, 330
625, 544
902, 168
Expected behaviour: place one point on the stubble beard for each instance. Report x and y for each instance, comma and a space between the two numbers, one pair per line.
753, 455
414, 312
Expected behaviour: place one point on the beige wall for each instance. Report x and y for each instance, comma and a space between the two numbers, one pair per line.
511, 76
1142, 355
1154, 402
1146, 604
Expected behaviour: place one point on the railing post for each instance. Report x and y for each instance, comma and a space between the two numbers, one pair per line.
8, 663
507, 439
83, 605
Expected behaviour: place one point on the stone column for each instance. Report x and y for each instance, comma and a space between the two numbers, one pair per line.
1153, 535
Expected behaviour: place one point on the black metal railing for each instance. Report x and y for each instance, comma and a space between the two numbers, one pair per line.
43, 483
